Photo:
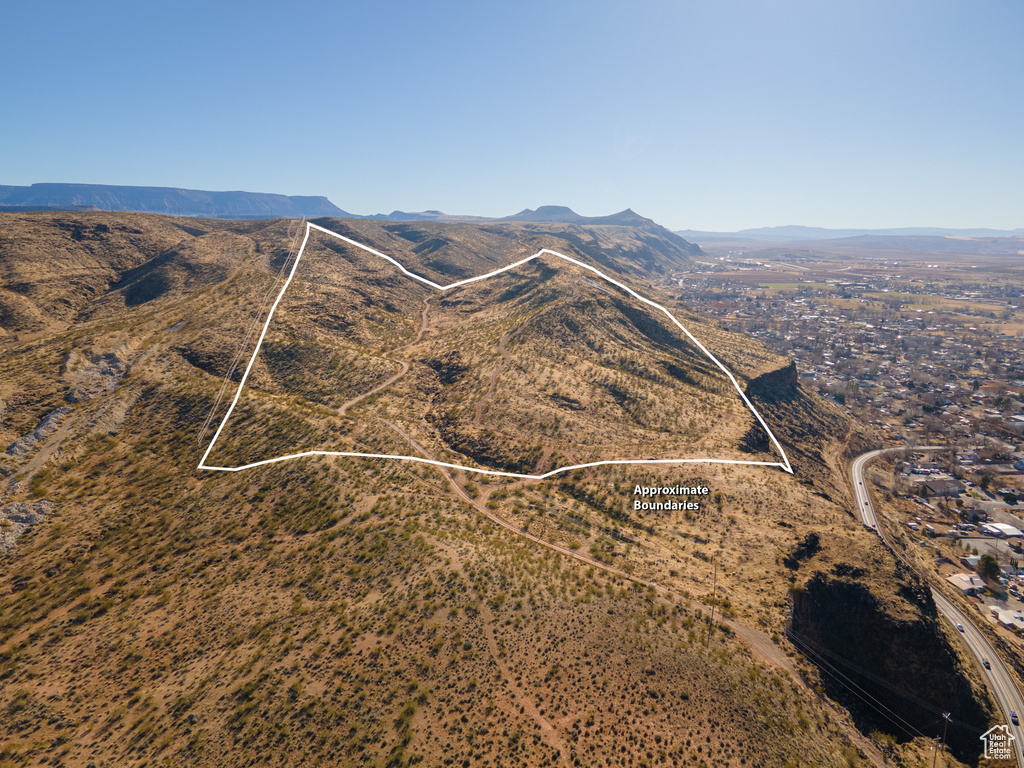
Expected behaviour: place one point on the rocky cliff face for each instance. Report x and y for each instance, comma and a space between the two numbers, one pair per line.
814, 431
882, 654
769, 390
774, 385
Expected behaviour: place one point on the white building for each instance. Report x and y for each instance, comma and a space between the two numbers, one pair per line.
967, 583
1008, 619
1002, 530
971, 561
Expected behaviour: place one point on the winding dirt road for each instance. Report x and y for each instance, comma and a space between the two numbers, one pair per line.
403, 365
763, 648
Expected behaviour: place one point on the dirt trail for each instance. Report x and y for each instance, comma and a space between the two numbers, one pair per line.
542, 464
403, 365
506, 360
403, 369
837, 463
768, 652
479, 507
760, 644
547, 730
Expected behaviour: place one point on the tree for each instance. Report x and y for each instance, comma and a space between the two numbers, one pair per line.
990, 568
985, 482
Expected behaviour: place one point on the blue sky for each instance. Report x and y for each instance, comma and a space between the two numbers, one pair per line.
711, 115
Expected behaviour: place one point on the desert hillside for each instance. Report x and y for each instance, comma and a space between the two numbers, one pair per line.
363, 611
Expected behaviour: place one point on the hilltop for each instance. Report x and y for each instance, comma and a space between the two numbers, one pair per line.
533, 369
54, 266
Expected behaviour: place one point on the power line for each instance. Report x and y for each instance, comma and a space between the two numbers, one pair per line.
248, 335
923, 703
860, 693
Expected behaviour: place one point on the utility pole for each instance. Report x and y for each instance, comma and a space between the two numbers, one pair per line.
714, 599
942, 747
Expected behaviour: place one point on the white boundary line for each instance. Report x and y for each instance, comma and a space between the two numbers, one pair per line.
784, 464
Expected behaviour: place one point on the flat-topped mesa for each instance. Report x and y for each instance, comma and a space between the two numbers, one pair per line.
566, 215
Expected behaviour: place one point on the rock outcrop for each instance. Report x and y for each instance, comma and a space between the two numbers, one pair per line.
17, 518
23, 446
881, 642
775, 385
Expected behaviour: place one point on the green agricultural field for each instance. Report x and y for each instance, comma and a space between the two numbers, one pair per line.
796, 286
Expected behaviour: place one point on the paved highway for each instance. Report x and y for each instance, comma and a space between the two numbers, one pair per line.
864, 509
997, 676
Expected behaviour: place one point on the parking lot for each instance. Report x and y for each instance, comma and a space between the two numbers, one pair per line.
988, 545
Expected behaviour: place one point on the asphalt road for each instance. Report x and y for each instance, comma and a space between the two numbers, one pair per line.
864, 509
997, 677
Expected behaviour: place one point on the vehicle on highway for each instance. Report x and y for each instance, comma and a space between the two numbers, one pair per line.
1013, 718
985, 664
960, 627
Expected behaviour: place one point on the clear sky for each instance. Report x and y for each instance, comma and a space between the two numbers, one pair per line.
707, 115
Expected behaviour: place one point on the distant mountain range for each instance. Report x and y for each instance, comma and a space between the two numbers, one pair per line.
641, 243
545, 214
196, 203
166, 200
793, 233
253, 205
